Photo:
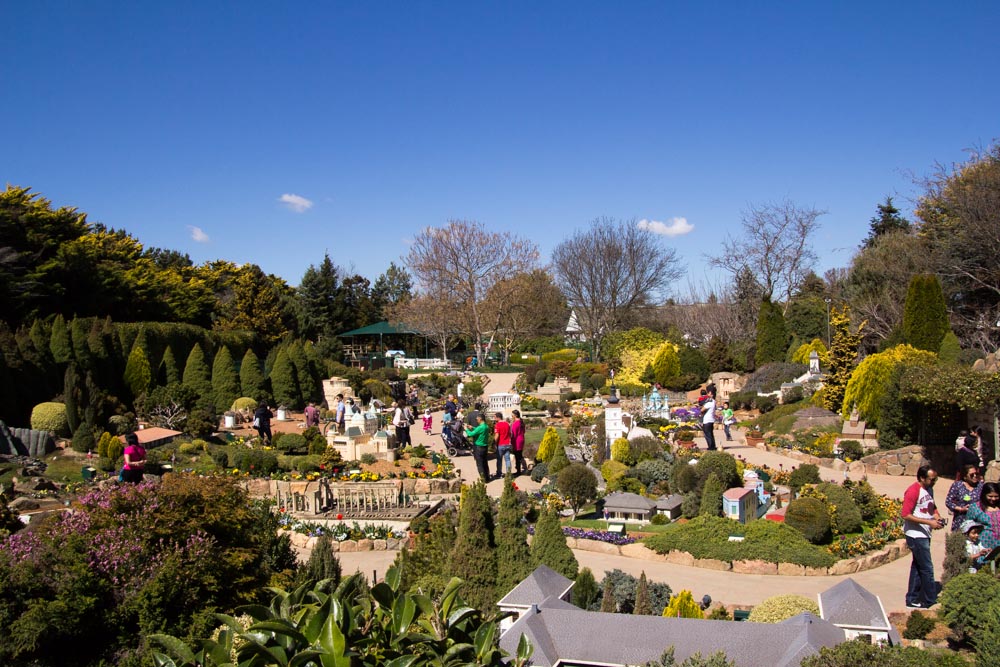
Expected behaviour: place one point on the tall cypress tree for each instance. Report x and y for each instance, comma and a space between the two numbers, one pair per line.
138, 374
608, 603
284, 383
308, 386
60, 344
549, 547
843, 358
426, 567
513, 554
71, 396
925, 314
225, 381
643, 605
772, 334
585, 590
197, 376
473, 558
78, 332
711, 496
252, 377
169, 372
41, 337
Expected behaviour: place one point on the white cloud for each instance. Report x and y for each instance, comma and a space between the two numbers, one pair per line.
296, 203
198, 234
676, 226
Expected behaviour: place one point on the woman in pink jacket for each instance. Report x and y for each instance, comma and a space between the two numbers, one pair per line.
517, 440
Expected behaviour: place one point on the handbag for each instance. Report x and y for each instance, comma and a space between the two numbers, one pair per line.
256, 422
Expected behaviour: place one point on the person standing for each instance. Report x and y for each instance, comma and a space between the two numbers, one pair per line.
517, 442
451, 407
459, 388
480, 436
502, 432
428, 421
966, 454
262, 422
708, 421
135, 459
341, 415
398, 419
728, 419
312, 415
408, 420
920, 517
963, 493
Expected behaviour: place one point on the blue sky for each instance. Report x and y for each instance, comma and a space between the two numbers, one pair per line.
187, 123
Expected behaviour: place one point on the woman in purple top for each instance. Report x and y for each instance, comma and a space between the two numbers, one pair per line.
964, 492
517, 440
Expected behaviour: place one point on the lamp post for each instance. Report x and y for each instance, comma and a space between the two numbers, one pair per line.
828, 302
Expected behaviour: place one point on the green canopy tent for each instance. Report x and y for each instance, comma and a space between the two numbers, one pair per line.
381, 329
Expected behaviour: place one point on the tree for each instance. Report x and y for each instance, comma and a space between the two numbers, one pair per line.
285, 383
585, 591
717, 659
473, 558
461, 262
392, 287
772, 334
225, 381
170, 372
61, 346
429, 315
252, 382
711, 496
257, 305
512, 553
138, 374
321, 310
611, 270
197, 376
886, 221
425, 569
666, 364
549, 545
526, 306
951, 349
925, 315
683, 605
861, 651
323, 564
718, 355
577, 484
643, 606
774, 248
872, 379
547, 447
843, 356
608, 603
71, 396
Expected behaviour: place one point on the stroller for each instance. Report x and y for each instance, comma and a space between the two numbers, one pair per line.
454, 439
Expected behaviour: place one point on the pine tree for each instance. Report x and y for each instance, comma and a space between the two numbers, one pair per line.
772, 334
284, 383
843, 357
711, 496
138, 375
549, 547
252, 377
683, 605
925, 314
78, 332
322, 564
426, 567
197, 376
718, 355
308, 386
547, 447
585, 589
558, 461
60, 344
170, 372
950, 350
608, 604
225, 381
71, 396
41, 337
643, 606
887, 220
473, 558
513, 554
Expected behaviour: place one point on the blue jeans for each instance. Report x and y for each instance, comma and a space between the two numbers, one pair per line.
503, 459
922, 587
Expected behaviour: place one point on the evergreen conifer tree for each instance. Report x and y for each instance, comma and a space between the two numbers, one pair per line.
322, 564
643, 606
683, 605
60, 344
843, 357
666, 365
197, 376
608, 604
887, 220
78, 332
41, 337
304, 372
426, 567
284, 383
71, 397
950, 350
513, 554
772, 334
585, 589
549, 547
547, 447
473, 558
138, 375
925, 314
170, 372
711, 496
225, 381
252, 377
558, 461
719, 356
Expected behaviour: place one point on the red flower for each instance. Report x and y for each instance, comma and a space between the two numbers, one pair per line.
339, 517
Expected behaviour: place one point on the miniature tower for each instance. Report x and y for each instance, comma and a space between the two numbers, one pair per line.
613, 426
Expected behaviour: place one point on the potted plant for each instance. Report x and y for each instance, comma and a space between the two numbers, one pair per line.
684, 437
755, 435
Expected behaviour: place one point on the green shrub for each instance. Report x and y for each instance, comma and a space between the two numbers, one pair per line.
256, 461
418, 451
541, 375
613, 470
918, 626
809, 517
778, 608
368, 459
659, 520
620, 451
804, 474
770, 377
723, 465
244, 403
765, 403
742, 400
50, 417
539, 471
965, 602
293, 443
83, 439
565, 354
851, 449
597, 381
719, 613
683, 478
866, 498
221, 457
792, 394
626, 484
846, 518
956, 558
306, 463
318, 444
651, 471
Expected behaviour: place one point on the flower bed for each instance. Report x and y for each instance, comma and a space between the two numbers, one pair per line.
338, 531
595, 535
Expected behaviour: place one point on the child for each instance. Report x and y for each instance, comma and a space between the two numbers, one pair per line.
727, 419
972, 530
428, 421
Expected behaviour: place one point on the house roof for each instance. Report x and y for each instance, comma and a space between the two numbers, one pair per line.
670, 502
379, 328
543, 583
848, 604
153, 434
561, 634
627, 501
738, 492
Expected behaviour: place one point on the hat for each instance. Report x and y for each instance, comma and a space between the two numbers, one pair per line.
969, 524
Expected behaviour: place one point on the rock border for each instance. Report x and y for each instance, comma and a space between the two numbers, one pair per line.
895, 462
302, 541
872, 559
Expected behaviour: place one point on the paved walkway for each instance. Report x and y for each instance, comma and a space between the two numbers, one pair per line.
888, 582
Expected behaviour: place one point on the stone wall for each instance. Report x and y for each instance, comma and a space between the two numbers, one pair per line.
302, 542
903, 461
868, 561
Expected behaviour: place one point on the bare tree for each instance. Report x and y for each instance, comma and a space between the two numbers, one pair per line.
461, 262
774, 248
526, 306
433, 318
611, 269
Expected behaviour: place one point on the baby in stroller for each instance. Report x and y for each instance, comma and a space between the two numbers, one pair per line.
454, 439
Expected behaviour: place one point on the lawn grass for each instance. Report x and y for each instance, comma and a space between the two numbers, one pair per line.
533, 436
769, 421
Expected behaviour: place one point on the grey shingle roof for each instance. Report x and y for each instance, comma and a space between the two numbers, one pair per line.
627, 501
544, 582
575, 635
849, 604
670, 502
